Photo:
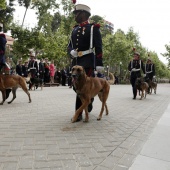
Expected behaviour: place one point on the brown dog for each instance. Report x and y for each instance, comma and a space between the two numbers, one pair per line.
87, 88
152, 85
12, 82
142, 86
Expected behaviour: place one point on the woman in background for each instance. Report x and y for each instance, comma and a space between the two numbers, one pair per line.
52, 71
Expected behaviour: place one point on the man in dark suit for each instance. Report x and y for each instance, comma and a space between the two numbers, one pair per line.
19, 68
85, 46
25, 69
41, 69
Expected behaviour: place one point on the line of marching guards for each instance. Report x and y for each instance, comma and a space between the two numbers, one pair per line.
143, 84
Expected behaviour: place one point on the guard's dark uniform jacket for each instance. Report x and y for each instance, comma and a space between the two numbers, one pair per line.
135, 67
86, 40
3, 42
33, 68
150, 70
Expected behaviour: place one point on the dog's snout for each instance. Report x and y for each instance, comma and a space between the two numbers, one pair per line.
73, 75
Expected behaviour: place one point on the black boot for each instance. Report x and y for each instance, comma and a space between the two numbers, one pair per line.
90, 106
134, 93
78, 104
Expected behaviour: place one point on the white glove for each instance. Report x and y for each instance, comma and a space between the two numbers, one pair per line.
74, 53
144, 75
154, 77
99, 68
95, 72
133, 69
38, 74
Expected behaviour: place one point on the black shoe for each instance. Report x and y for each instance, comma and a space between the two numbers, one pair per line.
80, 117
90, 106
134, 98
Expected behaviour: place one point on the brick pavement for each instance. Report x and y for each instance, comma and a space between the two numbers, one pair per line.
41, 136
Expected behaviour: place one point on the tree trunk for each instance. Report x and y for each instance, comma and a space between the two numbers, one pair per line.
24, 17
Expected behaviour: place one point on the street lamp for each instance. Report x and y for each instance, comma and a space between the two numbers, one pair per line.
120, 70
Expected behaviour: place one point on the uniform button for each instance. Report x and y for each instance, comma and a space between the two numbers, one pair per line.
77, 39
76, 43
78, 30
77, 35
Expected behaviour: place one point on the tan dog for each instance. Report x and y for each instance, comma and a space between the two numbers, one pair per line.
111, 78
87, 88
12, 82
142, 86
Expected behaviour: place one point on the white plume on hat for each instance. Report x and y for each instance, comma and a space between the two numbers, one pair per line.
82, 7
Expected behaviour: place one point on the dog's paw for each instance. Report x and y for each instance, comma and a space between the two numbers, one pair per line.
98, 118
86, 120
72, 120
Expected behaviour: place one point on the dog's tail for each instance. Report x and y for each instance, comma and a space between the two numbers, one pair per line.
28, 78
111, 78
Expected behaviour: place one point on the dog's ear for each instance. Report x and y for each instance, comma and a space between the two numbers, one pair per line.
83, 69
72, 69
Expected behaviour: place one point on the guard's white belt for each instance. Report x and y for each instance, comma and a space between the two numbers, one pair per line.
81, 53
136, 69
32, 68
149, 72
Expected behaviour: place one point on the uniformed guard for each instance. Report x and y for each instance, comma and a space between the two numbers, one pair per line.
3, 42
32, 68
135, 66
85, 45
150, 70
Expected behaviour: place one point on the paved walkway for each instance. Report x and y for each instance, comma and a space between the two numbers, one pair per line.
40, 135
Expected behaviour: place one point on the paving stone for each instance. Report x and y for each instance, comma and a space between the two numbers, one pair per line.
9, 166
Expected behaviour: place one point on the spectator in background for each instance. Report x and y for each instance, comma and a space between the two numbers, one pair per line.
57, 76
41, 69
46, 71
63, 77
19, 68
25, 69
52, 71
69, 77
